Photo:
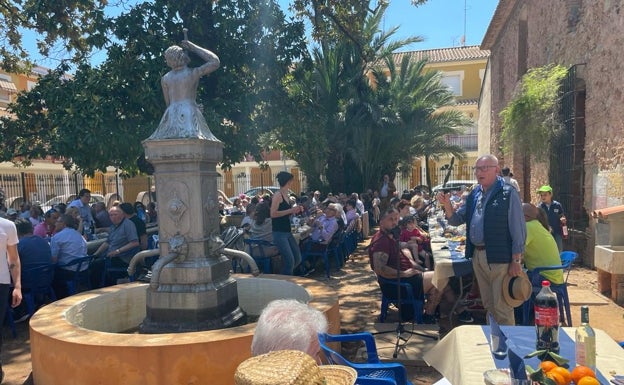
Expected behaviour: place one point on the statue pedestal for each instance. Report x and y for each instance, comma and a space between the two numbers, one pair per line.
194, 291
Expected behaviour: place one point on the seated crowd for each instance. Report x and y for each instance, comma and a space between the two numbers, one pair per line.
59, 237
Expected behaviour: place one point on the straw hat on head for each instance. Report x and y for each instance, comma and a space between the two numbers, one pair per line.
291, 367
516, 290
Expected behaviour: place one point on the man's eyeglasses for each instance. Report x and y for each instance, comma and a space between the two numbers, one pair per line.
482, 168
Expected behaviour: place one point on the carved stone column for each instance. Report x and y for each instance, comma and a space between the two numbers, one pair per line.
194, 291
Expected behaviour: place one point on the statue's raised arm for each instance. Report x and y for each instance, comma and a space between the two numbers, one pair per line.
212, 60
183, 117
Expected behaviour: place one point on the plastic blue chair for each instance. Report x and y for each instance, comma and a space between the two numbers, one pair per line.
37, 286
80, 276
567, 258
349, 243
561, 290
373, 371
112, 272
314, 250
256, 250
407, 298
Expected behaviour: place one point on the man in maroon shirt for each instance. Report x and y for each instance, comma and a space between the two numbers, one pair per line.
386, 258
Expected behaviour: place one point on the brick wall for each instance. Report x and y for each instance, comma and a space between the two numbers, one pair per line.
568, 32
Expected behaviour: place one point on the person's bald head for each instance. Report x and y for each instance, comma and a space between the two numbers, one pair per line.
530, 211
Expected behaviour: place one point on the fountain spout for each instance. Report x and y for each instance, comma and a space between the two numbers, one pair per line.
232, 253
158, 266
139, 257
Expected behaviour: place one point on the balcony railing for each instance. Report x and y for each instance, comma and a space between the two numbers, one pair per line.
467, 141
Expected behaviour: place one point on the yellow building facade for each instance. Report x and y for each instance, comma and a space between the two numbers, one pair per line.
463, 70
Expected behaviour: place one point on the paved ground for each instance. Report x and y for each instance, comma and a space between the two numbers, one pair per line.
360, 303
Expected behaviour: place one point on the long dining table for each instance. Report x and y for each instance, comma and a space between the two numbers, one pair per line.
448, 263
463, 355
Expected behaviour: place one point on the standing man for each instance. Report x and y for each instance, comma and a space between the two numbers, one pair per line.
495, 232
82, 203
556, 216
386, 192
9, 268
508, 177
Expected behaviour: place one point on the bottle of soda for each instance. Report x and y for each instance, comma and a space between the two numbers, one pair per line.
547, 319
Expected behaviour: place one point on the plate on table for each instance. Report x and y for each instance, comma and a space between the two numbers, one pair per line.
502, 377
497, 377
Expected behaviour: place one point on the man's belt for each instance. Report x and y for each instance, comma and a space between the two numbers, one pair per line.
480, 248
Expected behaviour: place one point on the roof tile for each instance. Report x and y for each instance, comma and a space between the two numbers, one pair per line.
443, 55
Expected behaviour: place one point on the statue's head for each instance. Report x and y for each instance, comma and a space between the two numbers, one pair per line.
175, 56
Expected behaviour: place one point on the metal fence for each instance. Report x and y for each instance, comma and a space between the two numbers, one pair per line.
39, 187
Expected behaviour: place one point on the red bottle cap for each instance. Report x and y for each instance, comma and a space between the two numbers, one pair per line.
545, 283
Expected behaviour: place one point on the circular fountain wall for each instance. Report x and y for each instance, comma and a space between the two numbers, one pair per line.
80, 339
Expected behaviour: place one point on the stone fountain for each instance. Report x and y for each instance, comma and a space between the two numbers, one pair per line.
191, 315
191, 287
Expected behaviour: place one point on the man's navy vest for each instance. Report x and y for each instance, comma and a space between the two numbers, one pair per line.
495, 222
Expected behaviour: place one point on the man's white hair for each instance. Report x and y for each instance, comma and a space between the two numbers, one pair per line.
287, 324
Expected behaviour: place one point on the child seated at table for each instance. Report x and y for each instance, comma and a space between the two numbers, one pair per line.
415, 240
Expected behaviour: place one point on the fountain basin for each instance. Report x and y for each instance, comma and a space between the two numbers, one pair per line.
80, 340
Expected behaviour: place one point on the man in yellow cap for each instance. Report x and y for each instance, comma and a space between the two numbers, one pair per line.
556, 216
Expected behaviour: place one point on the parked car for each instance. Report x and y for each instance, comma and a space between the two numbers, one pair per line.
261, 190
67, 198
455, 184
13, 202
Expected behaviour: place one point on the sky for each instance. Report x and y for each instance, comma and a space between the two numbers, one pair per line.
441, 23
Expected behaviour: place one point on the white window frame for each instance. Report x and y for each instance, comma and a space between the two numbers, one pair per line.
454, 75
5, 96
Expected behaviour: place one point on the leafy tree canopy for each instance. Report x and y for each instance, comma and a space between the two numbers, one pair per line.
100, 116
74, 27
360, 115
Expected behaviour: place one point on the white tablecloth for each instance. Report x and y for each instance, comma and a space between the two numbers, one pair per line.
464, 354
448, 265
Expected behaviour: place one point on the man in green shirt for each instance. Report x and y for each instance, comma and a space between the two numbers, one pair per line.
540, 248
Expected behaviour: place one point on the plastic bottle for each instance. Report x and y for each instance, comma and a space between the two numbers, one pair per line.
547, 319
564, 228
585, 341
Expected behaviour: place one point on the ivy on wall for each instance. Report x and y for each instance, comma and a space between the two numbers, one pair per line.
531, 119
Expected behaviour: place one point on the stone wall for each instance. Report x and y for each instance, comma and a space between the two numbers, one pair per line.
589, 34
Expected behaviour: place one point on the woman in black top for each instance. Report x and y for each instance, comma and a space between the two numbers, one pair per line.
281, 210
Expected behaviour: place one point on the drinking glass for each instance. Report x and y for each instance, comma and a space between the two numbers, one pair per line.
499, 350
